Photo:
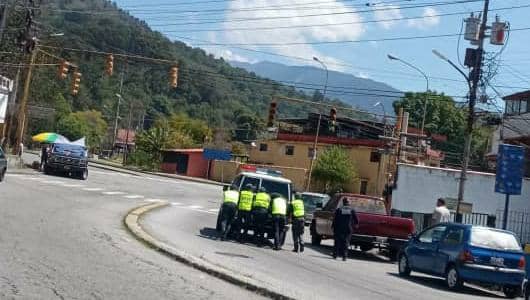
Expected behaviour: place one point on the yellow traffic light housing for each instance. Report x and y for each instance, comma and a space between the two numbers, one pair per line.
76, 82
173, 77
272, 114
63, 69
109, 65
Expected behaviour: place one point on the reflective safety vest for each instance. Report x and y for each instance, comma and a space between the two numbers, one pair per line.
298, 208
245, 200
279, 206
231, 197
262, 200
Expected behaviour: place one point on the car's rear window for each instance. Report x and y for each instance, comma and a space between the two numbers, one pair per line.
276, 187
310, 201
365, 205
72, 149
494, 239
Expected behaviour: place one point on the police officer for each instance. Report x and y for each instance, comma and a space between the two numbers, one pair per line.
244, 207
260, 211
298, 223
344, 222
230, 199
279, 214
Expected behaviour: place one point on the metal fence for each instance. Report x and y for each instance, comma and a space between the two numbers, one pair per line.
422, 221
518, 222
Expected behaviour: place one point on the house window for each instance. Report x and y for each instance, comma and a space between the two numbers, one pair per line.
310, 153
375, 156
289, 150
263, 147
516, 107
364, 187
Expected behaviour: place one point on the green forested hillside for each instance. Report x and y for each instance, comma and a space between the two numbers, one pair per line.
208, 88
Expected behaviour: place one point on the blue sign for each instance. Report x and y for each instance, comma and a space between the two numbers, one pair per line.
213, 154
510, 169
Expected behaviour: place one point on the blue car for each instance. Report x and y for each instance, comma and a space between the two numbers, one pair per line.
488, 257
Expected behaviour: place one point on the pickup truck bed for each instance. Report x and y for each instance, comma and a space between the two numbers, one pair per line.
376, 227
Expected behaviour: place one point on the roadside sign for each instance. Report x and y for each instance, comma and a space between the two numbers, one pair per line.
214, 154
510, 164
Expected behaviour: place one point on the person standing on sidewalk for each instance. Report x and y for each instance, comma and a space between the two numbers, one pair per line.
441, 214
260, 212
244, 207
230, 199
344, 223
298, 222
279, 214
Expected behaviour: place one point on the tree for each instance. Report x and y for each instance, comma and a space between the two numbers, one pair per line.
334, 168
150, 143
71, 127
89, 124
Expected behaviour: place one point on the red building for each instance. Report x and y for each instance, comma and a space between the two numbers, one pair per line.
187, 162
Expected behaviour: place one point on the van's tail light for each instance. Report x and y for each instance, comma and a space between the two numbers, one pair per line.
466, 256
522, 263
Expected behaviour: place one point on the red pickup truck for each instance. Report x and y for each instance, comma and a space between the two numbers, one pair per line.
376, 227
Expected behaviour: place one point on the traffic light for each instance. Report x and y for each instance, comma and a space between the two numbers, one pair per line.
272, 114
109, 65
333, 118
173, 77
63, 69
76, 81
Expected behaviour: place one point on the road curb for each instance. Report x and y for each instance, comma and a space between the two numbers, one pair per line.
132, 223
104, 166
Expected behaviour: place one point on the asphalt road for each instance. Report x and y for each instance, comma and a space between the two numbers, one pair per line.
63, 238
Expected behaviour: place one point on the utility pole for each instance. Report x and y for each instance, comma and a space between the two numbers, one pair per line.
116, 120
21, 115
314, 157
126, 149
474, 76
3, 21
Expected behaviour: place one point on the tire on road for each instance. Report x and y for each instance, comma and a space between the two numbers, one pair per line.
403, 265
2, 174
316, 239
511, 292
452, 279
365, 247
83, 175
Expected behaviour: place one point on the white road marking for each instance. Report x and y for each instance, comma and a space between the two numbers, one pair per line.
195, 207
92, 189
72, 185
213, 210
16, 175
53, 182
32, 178
133, 196
154, 200
176, 203
113, 193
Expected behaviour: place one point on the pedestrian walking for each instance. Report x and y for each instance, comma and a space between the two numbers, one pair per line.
298, 222
279, 214
344, 223
229, 208
441, 214
260, 212
244, 208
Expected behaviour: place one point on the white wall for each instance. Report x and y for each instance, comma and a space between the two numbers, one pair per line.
418, 187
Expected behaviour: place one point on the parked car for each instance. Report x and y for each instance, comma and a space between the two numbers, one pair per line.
488, 257
376, 227
312, 201
68, 159
3, 165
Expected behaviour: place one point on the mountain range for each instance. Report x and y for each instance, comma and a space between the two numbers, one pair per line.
362, 93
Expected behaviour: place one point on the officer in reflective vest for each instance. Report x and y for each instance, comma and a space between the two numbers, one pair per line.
230, 199
298, 223
260, 211
279, 214
244, 208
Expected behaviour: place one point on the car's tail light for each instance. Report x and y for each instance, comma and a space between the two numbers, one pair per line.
466, 256
522, 263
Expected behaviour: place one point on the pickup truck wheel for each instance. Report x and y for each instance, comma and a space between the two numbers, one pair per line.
511, 292
366, 247
453, 280
403, 266
83, 175
2, 175
393, 254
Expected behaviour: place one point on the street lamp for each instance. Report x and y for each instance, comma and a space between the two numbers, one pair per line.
327, 74
467, 146
392, 57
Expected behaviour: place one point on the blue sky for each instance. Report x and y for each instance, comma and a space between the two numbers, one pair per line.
221, 22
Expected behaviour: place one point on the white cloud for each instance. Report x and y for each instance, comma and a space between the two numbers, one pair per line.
388, 12
430, 19
341, 14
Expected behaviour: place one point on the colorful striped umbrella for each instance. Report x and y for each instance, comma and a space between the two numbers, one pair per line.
49, 138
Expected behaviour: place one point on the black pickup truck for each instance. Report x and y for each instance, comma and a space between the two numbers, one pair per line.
3, 165
67, 159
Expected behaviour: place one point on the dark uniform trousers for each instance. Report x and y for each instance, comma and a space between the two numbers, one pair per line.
229, 213
260, 218
279, 225
342, 243
243, 222
298, 233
